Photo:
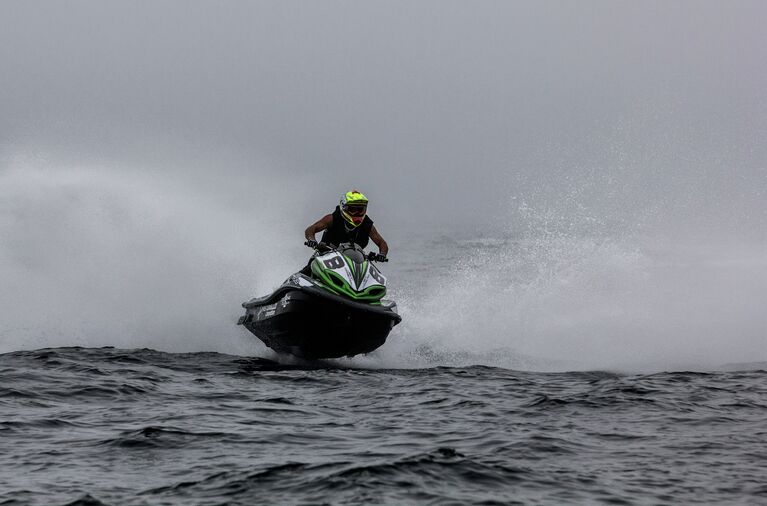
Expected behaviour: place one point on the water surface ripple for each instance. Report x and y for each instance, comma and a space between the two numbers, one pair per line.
141, 427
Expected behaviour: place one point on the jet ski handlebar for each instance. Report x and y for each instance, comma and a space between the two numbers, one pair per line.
322, 247
377, 257
319, 246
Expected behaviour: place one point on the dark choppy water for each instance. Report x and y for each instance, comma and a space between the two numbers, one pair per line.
109, 426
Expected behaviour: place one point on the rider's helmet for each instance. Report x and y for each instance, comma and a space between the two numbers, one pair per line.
354, 206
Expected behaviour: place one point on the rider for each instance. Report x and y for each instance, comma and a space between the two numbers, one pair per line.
348, 223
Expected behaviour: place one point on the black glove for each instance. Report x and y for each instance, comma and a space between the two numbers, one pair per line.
311, 243
377, 257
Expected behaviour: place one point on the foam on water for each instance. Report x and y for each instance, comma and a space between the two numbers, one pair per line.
563, 302
96, 255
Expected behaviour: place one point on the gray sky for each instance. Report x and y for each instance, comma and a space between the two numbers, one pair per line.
443, 109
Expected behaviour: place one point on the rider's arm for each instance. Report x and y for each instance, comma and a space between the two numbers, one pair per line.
383, 248
318, 226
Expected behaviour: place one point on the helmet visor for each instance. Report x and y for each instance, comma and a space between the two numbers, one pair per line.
355, 210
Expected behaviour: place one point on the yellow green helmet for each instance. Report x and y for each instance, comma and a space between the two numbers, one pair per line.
354, 206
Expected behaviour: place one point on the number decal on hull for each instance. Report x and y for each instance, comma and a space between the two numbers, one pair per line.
377, 276
334, 263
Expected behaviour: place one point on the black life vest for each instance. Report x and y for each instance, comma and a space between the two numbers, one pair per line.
337, 233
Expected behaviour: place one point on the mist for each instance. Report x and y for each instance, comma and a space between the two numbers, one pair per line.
160, 160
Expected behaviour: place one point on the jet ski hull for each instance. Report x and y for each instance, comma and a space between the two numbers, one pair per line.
310, 322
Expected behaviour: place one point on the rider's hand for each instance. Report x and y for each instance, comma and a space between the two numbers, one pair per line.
311, 243
378, 257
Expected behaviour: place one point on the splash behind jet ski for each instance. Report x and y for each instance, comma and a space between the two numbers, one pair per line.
337, 311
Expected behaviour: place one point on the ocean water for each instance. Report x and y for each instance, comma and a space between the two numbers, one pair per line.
114, 426
527, 370
556, 360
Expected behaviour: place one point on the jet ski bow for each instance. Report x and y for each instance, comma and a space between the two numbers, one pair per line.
337, 311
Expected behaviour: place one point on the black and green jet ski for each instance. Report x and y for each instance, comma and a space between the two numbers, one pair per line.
338, 311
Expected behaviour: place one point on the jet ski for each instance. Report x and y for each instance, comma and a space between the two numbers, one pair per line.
337, 311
